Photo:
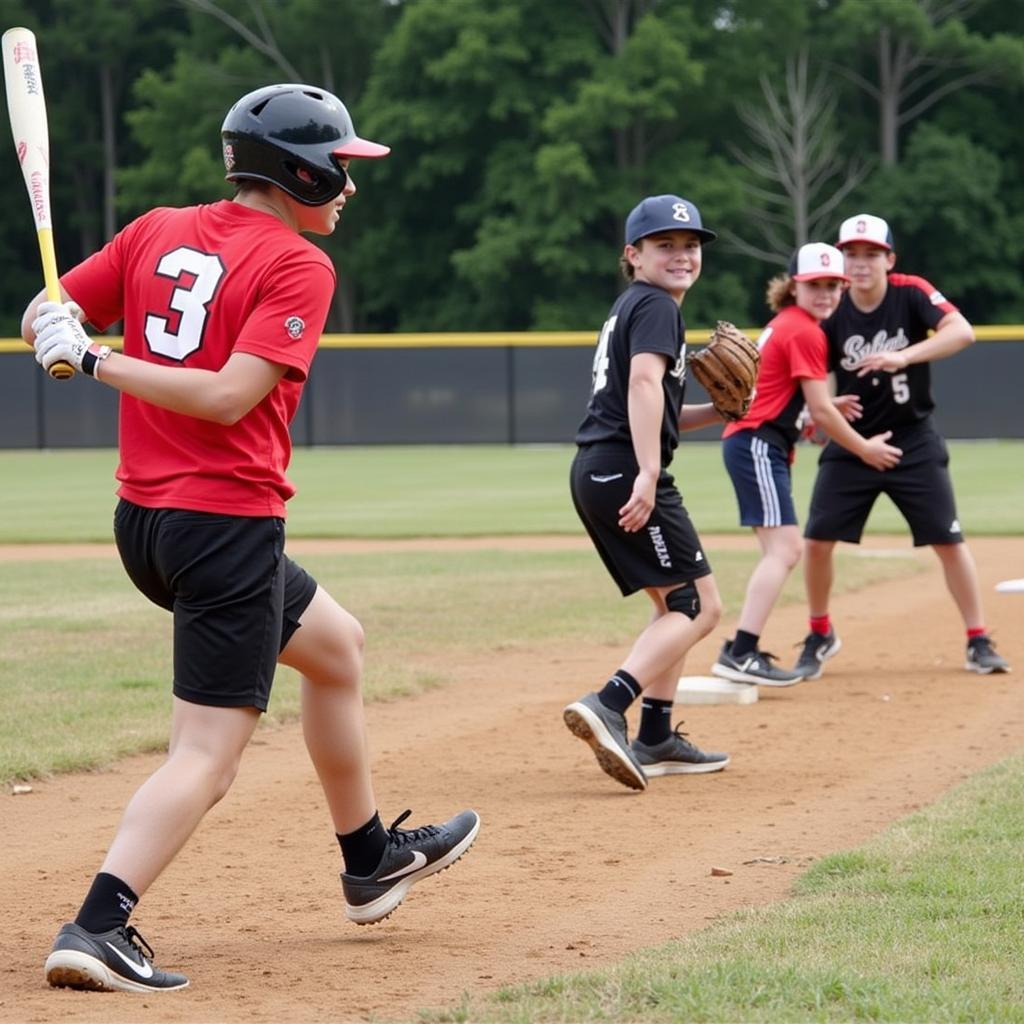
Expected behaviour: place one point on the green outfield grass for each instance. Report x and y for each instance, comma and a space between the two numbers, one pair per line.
924, 924
85, 659
67, 496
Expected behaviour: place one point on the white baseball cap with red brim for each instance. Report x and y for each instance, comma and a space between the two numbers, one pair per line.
863, 227
816, 260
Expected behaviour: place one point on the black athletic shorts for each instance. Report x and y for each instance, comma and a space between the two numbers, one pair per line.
236, 598
845, 490
666, 551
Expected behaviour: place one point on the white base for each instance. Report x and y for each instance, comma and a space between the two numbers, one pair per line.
1011, 586
711, 690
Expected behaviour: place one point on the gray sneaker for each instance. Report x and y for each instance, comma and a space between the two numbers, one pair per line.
818, 648
677, 756
755, 667
982, 657
410, 854
605, 731
116, 961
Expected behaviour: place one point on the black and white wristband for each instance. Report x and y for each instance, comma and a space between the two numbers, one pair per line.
92, 357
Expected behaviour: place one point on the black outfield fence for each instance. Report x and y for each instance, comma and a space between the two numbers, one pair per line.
489, 388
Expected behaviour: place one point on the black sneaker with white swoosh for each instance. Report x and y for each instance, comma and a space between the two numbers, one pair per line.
411, 854
116, 961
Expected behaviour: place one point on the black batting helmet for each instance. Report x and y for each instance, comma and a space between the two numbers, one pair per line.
293, 136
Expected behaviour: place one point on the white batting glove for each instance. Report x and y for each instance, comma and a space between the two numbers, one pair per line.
60, 337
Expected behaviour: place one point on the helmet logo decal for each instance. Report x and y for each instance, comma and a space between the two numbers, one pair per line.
295, 325
229, 156
680, 211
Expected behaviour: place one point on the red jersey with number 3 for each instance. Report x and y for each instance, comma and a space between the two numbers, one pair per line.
194, 285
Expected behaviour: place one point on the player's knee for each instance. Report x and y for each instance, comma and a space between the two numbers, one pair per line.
818, 550
684, 600
792, 551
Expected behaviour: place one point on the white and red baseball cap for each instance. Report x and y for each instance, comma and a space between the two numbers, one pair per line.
816, 260
863, 227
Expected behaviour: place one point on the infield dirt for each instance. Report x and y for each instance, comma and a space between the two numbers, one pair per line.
570, 870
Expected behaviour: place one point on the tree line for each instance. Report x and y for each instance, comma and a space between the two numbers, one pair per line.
524, 130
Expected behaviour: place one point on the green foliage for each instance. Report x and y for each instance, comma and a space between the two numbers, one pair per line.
522, 134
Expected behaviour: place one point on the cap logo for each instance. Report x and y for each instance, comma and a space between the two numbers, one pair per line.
862, 226
680, 211
295, 325
825, 259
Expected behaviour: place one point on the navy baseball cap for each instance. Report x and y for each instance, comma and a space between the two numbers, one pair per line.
665, 213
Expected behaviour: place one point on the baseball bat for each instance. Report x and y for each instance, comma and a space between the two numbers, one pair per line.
26, 106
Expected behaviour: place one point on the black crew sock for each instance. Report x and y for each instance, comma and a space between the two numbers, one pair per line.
619, 692
655, 721
107, 906
362, 849
744, 643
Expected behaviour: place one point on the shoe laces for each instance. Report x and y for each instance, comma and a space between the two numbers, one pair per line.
137, 943
767, 655
982, 644
681, 736
402, 837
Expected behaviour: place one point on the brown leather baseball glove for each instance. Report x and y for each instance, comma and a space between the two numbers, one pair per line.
726, 368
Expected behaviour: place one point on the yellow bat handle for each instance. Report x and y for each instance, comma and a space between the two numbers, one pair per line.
61, 370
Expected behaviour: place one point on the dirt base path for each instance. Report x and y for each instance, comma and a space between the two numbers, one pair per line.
570, 870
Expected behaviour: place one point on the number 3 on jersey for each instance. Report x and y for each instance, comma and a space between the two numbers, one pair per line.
601, 354
190, 301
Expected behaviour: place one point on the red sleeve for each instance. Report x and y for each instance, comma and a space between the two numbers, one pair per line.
808, 354
927, 301
97, 283
287, 321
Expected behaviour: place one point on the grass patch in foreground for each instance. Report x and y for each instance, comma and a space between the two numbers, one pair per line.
925, 923
467, 490
85, 662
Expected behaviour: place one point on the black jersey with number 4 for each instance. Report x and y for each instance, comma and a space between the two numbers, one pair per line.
643, 319
892, 401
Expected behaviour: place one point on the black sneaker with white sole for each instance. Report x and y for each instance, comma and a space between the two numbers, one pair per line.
604, 730
117, 961
755, 667
677, 756
818, 648
982, 657
410, 855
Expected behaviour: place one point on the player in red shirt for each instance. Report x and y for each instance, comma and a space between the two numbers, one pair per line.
759, 448
223, 306
880, 348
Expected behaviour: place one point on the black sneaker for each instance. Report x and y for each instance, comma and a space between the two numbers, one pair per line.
982, 657
676, 756
409, 856
755, 667
116, 961
605, 731
818, 648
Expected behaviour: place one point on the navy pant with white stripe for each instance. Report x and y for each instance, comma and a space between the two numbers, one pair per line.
760, 476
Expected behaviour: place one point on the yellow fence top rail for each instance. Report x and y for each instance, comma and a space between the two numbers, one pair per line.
515, 339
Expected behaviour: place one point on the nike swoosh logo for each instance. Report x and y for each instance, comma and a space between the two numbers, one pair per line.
145, 971
605, 479
418, 860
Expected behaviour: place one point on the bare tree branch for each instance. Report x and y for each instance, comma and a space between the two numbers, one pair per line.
266, 44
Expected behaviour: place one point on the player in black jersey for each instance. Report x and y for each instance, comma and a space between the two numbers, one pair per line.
629, 503
880, 350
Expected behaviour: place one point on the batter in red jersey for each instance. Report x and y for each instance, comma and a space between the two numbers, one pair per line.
759, 448
880, 347
223, 306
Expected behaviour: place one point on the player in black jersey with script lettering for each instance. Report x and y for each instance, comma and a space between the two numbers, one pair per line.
629, 503
879, 350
